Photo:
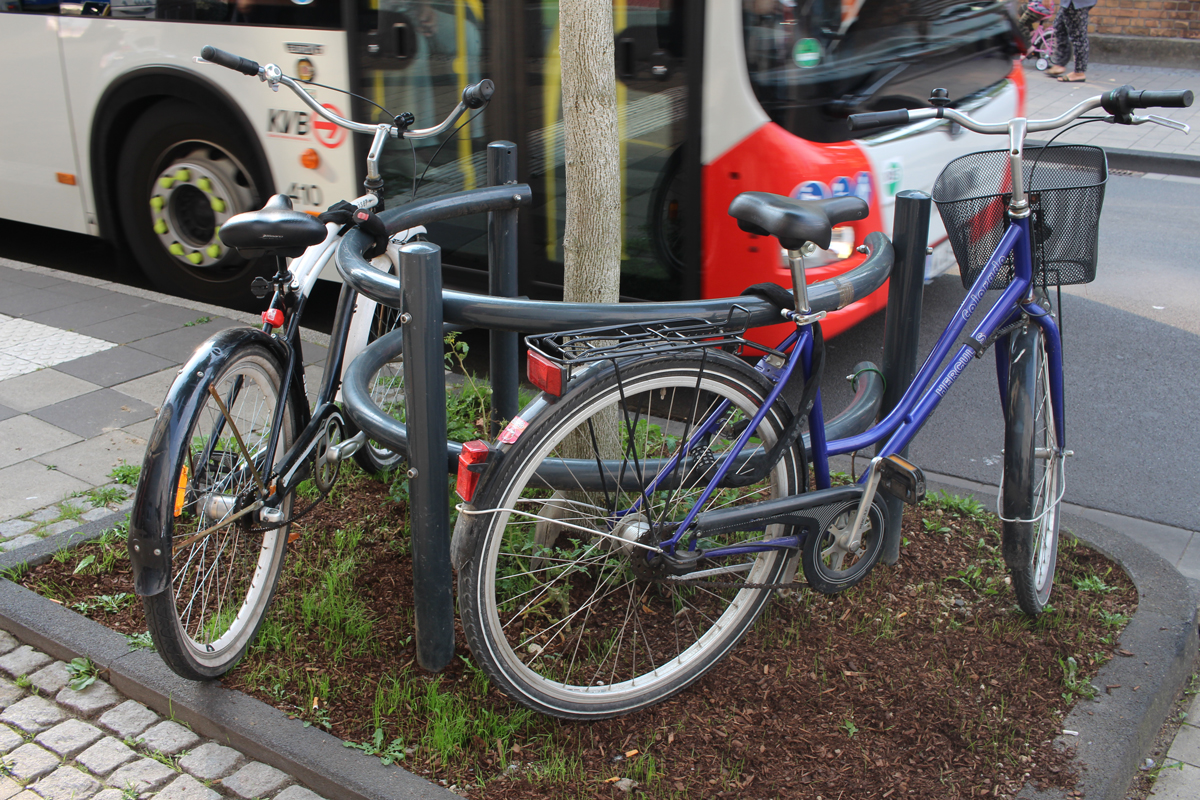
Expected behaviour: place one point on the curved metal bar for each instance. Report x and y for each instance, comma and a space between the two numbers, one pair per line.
534, 316
856, 417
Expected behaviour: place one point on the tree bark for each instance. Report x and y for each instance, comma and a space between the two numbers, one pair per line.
592, 239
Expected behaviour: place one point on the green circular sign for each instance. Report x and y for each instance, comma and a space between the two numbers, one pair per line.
806, 53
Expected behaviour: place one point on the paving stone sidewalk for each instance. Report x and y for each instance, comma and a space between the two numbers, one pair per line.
57, 743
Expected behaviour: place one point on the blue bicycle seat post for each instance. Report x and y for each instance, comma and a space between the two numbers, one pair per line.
428, 485
902, 329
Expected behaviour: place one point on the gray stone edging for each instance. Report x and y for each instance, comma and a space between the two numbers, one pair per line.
1117, 730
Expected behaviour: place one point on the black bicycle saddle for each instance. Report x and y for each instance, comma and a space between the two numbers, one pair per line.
275, 228
795, 222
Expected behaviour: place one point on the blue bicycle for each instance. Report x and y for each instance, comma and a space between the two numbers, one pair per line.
631, 523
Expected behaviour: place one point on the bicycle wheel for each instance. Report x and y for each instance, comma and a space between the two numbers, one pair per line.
564, 613
830, 566
223, 571
371, 321
1032, 474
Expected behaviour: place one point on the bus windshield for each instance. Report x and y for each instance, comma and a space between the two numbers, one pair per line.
812, 63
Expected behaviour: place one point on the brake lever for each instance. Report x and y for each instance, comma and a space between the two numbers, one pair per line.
1166, 122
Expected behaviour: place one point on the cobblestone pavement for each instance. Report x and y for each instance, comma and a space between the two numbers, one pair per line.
57, 743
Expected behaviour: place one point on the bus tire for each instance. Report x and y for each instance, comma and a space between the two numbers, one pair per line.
182, 172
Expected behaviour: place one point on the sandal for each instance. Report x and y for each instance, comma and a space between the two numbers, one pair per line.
1072, 79
1055, 71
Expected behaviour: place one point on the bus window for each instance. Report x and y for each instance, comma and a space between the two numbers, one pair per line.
652, 111
814, 62
419, 55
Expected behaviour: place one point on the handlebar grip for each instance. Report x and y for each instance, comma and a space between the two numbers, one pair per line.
1121, 102
878, 119
1178, 98
477, 96
229, 60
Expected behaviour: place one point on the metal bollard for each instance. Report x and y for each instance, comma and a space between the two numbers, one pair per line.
902, 328
502, 282
428, 484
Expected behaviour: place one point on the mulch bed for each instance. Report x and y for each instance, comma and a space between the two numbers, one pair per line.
925, 681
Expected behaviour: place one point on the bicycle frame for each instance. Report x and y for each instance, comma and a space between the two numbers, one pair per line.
911, 412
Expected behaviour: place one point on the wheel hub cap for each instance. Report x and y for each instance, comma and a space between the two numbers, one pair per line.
190, 202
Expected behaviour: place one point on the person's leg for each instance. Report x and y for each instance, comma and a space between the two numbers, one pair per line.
1076, 24
1062, 44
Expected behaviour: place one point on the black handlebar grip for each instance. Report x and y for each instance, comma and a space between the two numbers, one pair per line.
878, 119
1178, 98
229, 60
478, 95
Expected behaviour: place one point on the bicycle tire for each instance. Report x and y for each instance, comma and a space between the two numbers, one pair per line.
1032, 474
222, 584
371, 321
643, 640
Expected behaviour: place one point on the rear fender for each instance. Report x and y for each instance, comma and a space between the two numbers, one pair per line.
152, 515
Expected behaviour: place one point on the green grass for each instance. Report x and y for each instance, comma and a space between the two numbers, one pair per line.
125, 474
965, 507
83, 672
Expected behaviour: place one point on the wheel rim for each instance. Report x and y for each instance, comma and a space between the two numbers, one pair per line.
387, 387
566, 609
222, 581
198, 188
1047, 484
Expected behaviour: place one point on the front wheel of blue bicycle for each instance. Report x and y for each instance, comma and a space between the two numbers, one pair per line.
1032, 474
559, 603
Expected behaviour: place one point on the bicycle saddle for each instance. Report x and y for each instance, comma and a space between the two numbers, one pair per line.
275, 228
794, 222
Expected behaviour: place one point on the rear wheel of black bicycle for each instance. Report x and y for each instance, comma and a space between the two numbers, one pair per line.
560, 605
1032, 473
224, 569
371, 321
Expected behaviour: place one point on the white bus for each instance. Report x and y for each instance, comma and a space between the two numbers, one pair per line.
114, 130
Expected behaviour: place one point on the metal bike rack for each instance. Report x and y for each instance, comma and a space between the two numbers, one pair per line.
420, 339
902, 328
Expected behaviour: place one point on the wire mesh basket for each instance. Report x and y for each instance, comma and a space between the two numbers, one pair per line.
1065, 184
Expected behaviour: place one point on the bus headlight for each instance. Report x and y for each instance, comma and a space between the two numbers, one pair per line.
841, 247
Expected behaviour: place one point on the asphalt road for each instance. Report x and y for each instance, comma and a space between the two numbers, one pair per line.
1131, 344
1131, 362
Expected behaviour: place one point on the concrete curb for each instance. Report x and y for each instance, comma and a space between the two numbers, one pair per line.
1117, 730
1146, 161
1144, 51
312, 756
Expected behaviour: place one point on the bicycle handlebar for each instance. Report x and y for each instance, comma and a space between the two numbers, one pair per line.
1118, 102
229, 60
475, 96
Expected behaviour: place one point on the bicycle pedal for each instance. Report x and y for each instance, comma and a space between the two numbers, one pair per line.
902, 479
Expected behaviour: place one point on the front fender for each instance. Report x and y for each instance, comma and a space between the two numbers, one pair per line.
152, 515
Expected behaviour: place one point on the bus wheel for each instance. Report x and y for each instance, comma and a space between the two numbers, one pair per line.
182, 174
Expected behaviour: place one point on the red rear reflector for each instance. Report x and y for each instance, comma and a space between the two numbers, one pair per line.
274, 316
471, 462
544, 374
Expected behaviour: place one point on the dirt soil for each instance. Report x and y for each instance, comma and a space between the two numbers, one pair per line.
925, 681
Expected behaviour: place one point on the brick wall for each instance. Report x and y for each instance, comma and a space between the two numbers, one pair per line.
1176, 19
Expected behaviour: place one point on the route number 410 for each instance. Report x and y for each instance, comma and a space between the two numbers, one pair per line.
306, 194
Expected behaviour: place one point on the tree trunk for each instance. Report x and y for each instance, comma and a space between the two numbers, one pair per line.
592, 240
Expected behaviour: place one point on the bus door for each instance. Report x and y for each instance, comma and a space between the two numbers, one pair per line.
417, 56
660, 230
40, 167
